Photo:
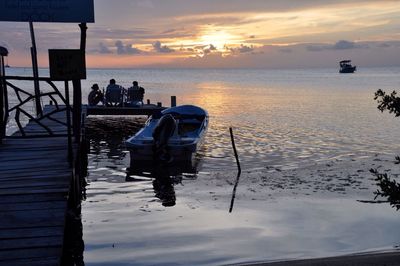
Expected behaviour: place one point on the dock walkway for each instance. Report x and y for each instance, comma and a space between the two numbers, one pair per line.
35, 179
146, 109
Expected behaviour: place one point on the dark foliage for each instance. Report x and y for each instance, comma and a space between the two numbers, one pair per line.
388, 188
387, 102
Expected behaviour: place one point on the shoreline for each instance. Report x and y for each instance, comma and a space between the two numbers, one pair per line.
389, 258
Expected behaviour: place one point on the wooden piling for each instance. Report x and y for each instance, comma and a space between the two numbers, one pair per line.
173, 101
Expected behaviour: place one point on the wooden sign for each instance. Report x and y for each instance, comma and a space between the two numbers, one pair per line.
67, 64
47, 10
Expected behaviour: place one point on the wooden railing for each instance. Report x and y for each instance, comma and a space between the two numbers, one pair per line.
24, 98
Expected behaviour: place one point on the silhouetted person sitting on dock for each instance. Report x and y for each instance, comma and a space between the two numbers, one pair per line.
114, 94
95, 96
135, 95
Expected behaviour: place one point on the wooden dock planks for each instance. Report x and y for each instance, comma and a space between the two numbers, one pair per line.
35, 179
146, 109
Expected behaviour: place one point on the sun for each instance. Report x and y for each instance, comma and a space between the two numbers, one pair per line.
218, 38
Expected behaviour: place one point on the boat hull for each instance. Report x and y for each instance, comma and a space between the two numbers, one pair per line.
181, 146
178, 153
348, 69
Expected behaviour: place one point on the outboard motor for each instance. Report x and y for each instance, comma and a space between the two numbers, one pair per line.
162, 133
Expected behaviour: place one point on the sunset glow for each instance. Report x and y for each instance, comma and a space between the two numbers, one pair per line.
218, 39
244, 34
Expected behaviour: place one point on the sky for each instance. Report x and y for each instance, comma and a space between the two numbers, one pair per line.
222, 34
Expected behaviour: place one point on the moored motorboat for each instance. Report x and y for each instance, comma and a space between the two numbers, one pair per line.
174, 134
346, 67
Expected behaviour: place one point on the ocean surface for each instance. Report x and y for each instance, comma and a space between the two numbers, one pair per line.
279, 117
306, 139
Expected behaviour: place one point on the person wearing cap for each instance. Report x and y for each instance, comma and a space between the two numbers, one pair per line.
95, 96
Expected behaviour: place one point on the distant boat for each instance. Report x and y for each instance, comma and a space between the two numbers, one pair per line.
7, 66
346, 67
179, 129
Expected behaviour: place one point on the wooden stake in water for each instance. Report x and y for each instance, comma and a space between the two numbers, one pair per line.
239, 169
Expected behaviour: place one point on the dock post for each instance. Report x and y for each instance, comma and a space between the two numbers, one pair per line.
173, 101
77, 96
2, 113
159, 104
35, 69
3, 94
69, 131
148, 101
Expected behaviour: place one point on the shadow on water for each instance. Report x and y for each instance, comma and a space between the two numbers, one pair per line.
105, 147
108, 135
101, 136
163, 182
164, 176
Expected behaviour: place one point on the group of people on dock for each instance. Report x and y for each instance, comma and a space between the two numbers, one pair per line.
116, 95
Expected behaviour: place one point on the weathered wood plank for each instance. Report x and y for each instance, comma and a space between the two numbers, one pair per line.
47, 261
32, 218
41, 154
35, 242
24, 175
32, 157
31, 152
31, 232
28, 190
7, 257
39, 159
31, 166
32, 140
25, 148
23, 206
34, 179
28, 198
34, 183
24, 172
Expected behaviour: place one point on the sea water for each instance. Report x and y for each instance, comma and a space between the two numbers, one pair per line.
321, 129
285, 117
279, 117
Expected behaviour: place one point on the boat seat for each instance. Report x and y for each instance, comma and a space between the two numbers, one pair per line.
184, 128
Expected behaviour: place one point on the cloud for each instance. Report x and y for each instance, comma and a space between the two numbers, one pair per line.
126, 49
145, 3
242, 49
286, 50
316, 48
343, 44
245, 49
103, 49
340, 45
162, 48
384, 45
209, 50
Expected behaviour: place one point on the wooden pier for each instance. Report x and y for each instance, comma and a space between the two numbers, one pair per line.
37, 178
35, 184
146, 109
